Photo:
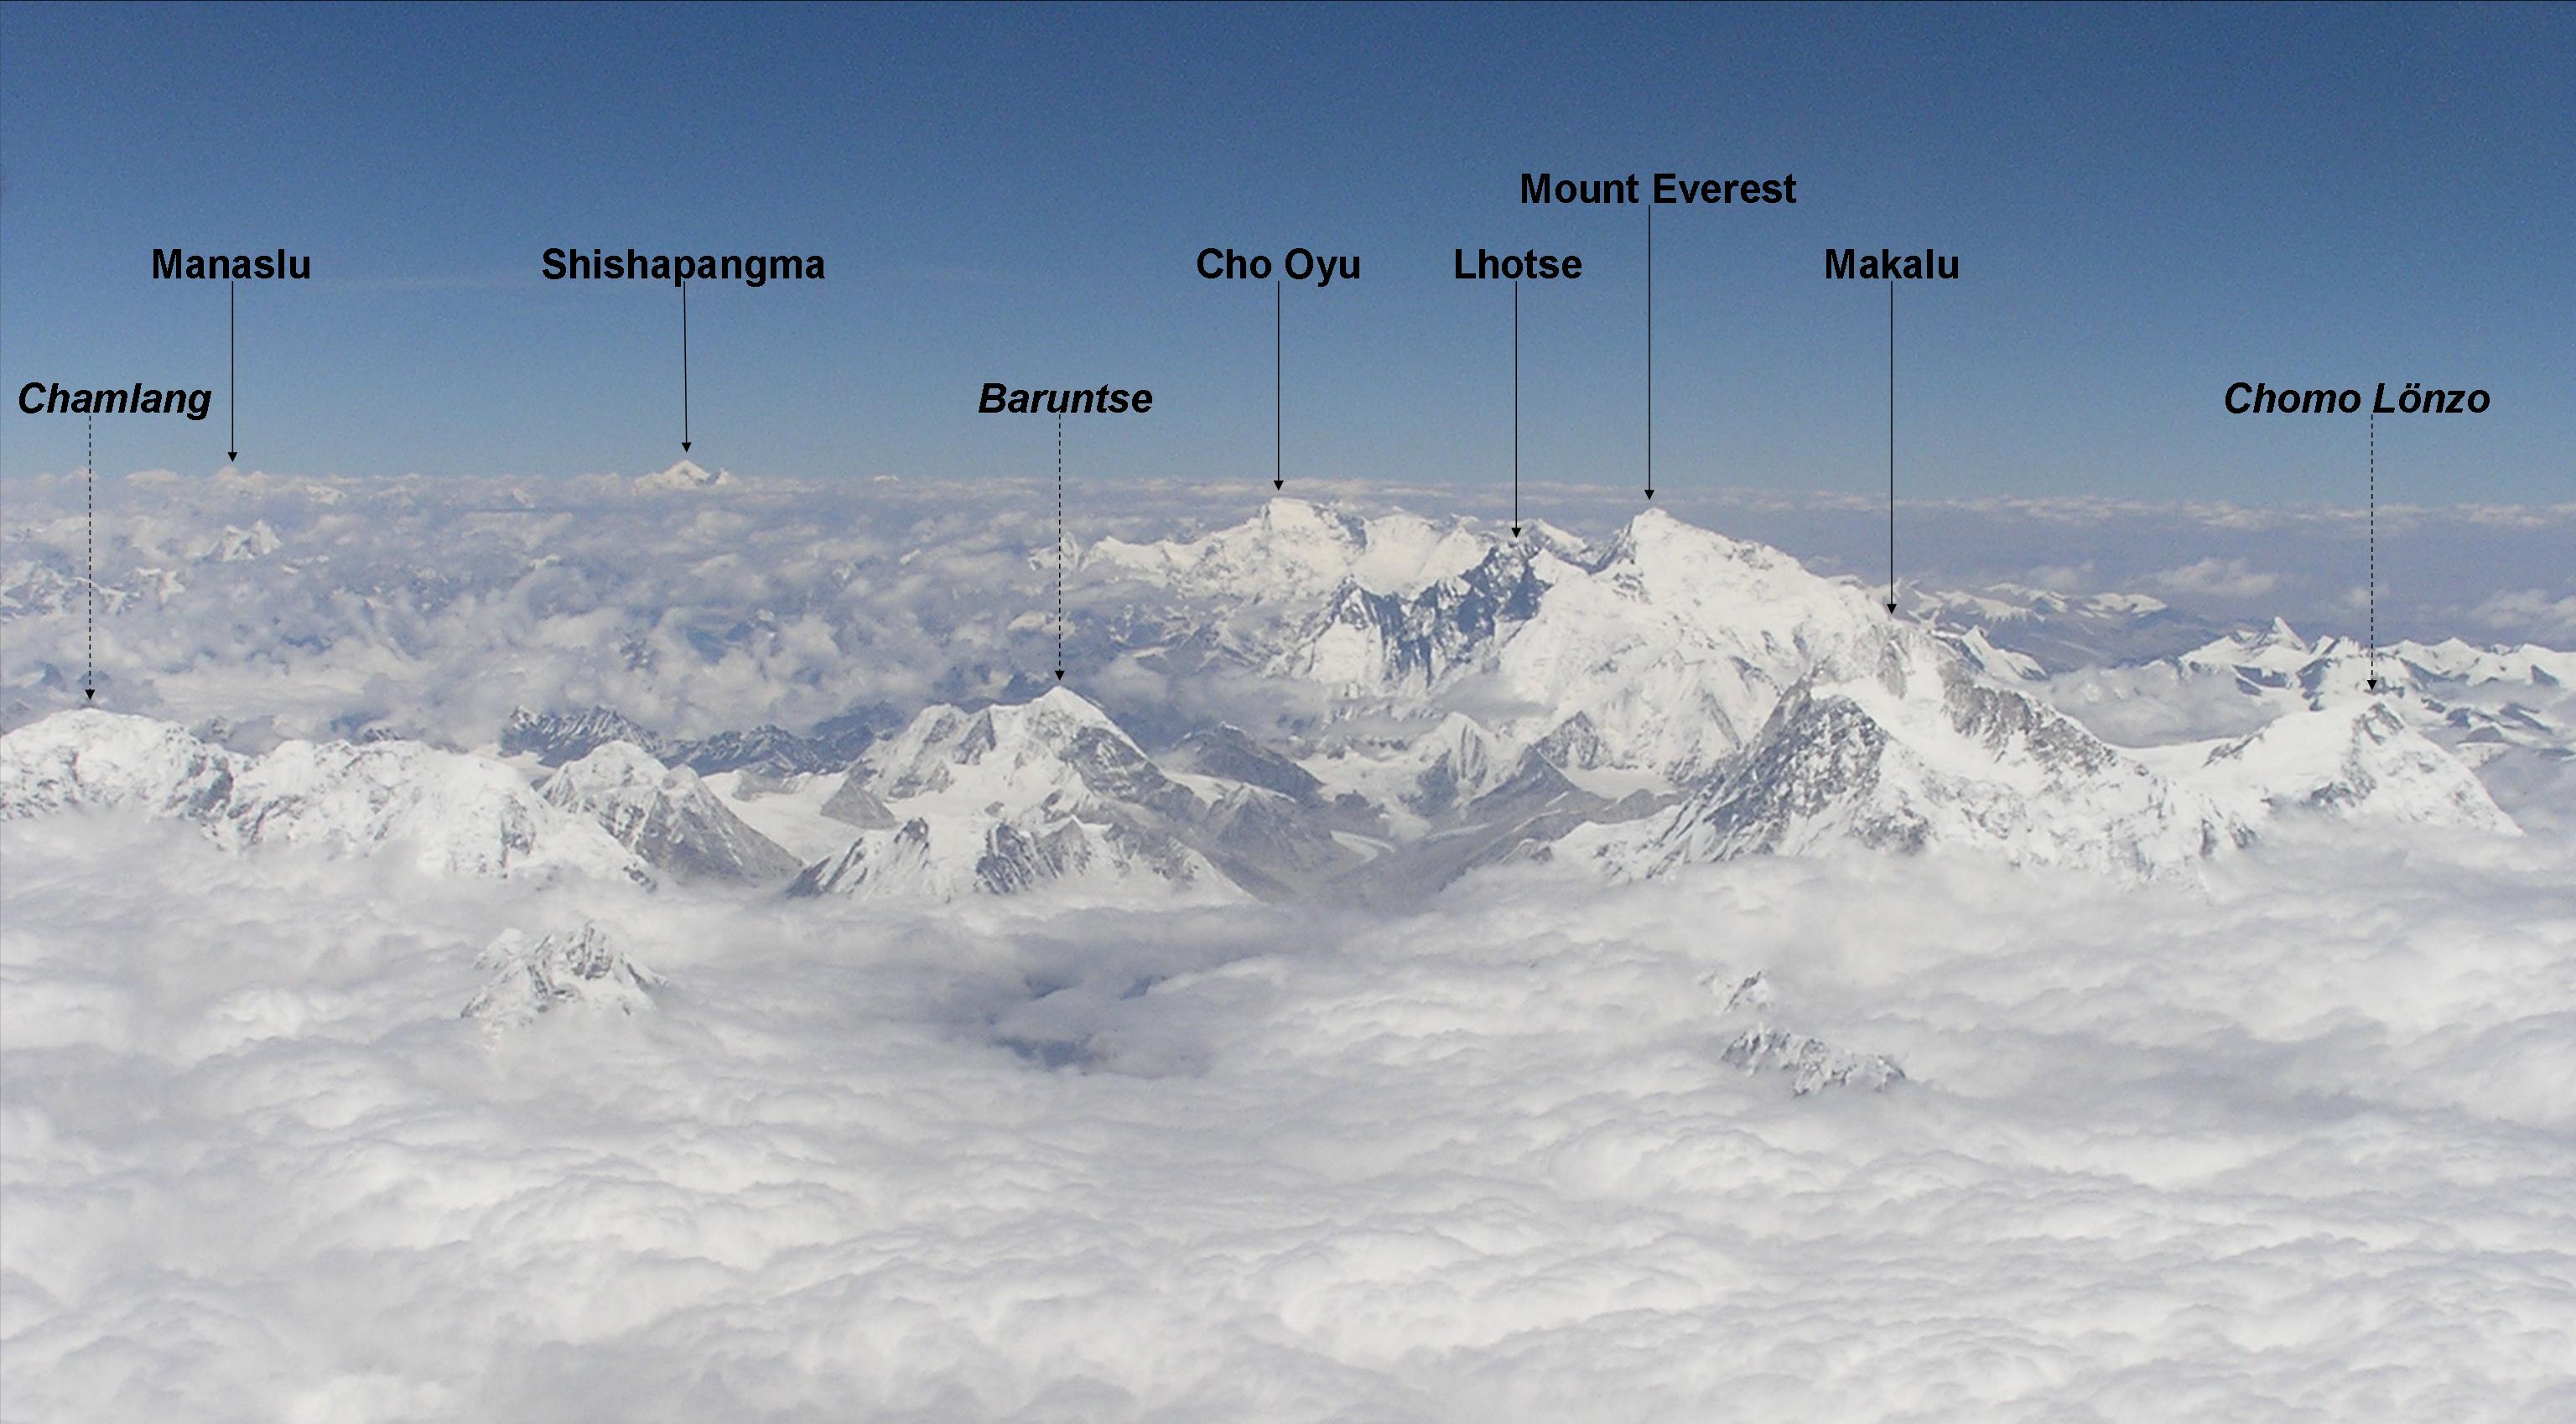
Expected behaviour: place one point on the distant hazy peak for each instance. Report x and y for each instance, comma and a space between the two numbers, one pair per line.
686, 475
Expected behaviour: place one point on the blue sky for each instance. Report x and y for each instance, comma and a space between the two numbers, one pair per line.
2147, 203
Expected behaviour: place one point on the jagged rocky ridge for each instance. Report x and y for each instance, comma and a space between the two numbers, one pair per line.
554, 738
666, 815
1807, 1063
576, 969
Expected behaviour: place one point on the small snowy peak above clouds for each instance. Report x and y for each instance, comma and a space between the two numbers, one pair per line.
2278, 657
1807, 1063
578, 970
2362, 761
686, 475
667, 816
447, 811
1810, 1064
233, 545
1292, 548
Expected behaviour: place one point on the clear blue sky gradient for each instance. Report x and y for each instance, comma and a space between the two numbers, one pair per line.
2147, 203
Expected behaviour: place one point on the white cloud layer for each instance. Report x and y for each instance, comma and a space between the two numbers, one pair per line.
2295, 1147
2528, 608
2218, 578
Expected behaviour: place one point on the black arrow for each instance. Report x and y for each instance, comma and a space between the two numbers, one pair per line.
1278, 387
684, 363
1516, 407
1650, 351
1059, 546
232, 362
1891, 446
89, 679
2374, 551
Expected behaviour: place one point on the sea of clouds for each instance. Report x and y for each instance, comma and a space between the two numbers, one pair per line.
2296, 1145
2292, 1143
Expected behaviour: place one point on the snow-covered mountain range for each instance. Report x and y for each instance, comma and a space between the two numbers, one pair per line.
447, 811
1424, 699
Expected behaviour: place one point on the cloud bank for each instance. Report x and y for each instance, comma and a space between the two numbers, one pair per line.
2298, 1146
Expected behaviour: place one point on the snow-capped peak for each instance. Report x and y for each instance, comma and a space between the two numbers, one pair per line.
1047, 793
2278, 649
88, 757
577, 969
1057, 750
686, 475
236, 545
2357, 759
1292, 547
449, 811
1676, 644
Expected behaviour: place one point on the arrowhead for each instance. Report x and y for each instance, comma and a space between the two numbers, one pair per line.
1059, 674
1650, 491
2374, 684
232, 454
684, 444
1891, 605
1279, 484
88, 692
1516, 531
